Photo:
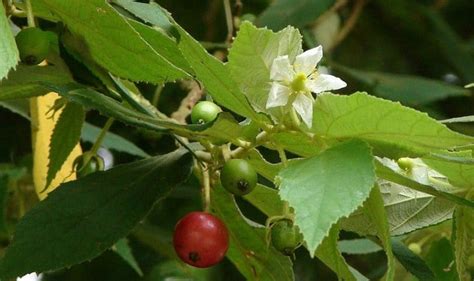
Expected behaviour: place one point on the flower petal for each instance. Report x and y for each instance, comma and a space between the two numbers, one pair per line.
304, 107
281, 69
307, 61
324, 82
278, 95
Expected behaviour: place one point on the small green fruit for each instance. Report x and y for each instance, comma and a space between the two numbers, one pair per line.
204, 112
238, 177
415, 248
88, 163
286, 237
33, 45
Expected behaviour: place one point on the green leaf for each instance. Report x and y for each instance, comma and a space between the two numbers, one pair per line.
459, 175
293, 12
65, 137
374, 209
25, 81
298, 143
326, 187
224, 127
406, 210
19, 106
407, 89
8, 52
262, 166
215, 76
265, 199
440, 258
391, 129
161, 43
174, 269
150, 13
464, 242
360, 246
77, 48
329, 254
111, 141
125, 252
258, 47
388, 174
113, 42
248, 248
83, 218
40, 10
413, 263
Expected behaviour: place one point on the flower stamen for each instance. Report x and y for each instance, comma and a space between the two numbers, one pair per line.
299, 83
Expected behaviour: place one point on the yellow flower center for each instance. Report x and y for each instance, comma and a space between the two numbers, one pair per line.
299, 83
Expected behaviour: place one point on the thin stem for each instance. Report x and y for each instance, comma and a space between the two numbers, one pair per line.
29, 14
206, 182
283, 158
17, 13
337, 6
157, 95
101, 136
350, 23
215, 45
240, 151
238, 8
294, 118
203, 156
229, 21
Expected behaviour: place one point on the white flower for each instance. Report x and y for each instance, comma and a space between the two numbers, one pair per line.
294, 83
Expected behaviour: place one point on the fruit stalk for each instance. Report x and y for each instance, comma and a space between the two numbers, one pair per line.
29, 14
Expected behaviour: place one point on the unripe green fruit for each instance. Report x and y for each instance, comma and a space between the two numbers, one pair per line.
415, 248
405, 164
286, 237
238, 177
88, 163
204, 112
33, 45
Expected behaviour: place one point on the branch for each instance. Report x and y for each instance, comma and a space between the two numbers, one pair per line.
194, 95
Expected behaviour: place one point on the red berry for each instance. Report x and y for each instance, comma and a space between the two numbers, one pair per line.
200, 239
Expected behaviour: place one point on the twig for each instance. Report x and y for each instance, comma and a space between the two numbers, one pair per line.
229, 21
209, 19
194, 95
336, 7
238, 6
215, 45
349, 24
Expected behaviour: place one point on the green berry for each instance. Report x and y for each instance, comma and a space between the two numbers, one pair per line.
415, 248
33, 45
286, 237
204, 112
405, 164
88, 163
238, 177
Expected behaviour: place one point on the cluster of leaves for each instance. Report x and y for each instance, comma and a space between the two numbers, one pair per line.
343, 176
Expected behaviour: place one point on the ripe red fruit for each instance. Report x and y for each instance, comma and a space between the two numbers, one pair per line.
200, 239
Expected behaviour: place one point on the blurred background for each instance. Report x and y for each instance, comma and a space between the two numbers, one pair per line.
420, 53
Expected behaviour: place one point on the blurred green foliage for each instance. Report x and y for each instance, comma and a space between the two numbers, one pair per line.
429, 41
